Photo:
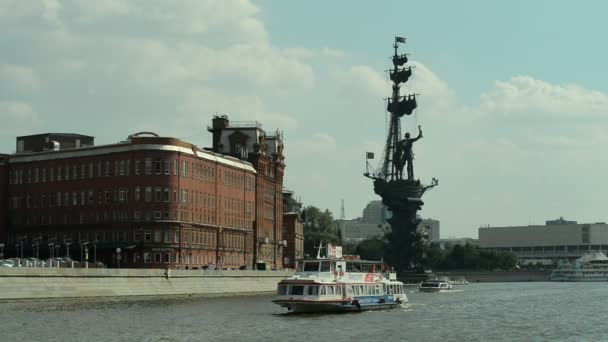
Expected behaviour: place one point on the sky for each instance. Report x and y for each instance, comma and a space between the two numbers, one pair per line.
513, 100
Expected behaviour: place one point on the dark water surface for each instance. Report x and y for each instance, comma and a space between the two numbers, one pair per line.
478, 312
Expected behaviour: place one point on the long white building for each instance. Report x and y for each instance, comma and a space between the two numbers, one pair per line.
558, 239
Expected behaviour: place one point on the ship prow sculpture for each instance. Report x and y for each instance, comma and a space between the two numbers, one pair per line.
401, 194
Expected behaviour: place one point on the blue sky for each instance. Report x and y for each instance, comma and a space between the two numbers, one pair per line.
514, 103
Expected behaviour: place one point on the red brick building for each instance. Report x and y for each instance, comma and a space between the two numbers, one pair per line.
161, 201
293, 230
248, 141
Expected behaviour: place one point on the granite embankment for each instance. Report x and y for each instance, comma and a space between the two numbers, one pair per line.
30, 283
498, 276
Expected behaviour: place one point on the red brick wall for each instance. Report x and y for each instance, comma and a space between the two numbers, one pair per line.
209, 217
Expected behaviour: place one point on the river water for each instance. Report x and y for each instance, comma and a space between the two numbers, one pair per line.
539, 311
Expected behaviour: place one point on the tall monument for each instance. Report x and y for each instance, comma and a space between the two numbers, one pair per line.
401, 194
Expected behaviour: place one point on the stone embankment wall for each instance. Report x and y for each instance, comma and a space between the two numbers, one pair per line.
486, 277
30, 283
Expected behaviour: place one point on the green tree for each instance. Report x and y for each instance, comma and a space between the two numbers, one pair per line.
319, 226
371, 249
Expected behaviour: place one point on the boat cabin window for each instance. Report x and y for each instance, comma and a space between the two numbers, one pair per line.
297, 290
311, 266
322, 292
313, 290
282, 290
325, 266
338, 290
330, 290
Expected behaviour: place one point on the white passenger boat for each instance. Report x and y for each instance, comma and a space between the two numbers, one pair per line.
335, 284
436, 285
589, 267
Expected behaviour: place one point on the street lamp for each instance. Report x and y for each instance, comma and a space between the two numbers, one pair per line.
67, 249
95, 252
118, 256
86, 250
1, 251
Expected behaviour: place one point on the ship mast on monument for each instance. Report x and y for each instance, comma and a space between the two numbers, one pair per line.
400, 193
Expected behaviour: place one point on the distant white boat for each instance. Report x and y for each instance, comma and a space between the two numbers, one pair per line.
441, 284
589, 267
459, 281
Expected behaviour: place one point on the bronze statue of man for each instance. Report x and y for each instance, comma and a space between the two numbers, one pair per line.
404, 148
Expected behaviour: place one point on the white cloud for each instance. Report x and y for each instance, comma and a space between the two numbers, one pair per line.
17, 117
17, 76
525, 94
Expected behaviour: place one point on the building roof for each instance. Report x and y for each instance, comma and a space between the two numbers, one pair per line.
70, 135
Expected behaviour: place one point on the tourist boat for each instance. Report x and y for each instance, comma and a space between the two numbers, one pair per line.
436, 285
589, 267
337, 284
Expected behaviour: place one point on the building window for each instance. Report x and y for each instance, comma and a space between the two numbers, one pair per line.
148, 166
167, 167
175, 170
128, 167
157, 166
147, 258
157, 194
121, 195
83, 171
157, 215
167, 236
585, 234
137, 215
184, 168
138, 167
91, 170
176, 237
121, 168
157, 236
166, 195
166, 255
137, 194
107, 168
99, 167
148, 193
147, 236
157, 258
184, 196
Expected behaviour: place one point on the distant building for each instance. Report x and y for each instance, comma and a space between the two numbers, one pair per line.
430, 229
373, 223
558, 239
559, 221
375, 213
293, 230
446, 243
355, 231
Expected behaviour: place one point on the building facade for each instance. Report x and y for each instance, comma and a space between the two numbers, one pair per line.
559, 239
148, 201
293, 230
248, 141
